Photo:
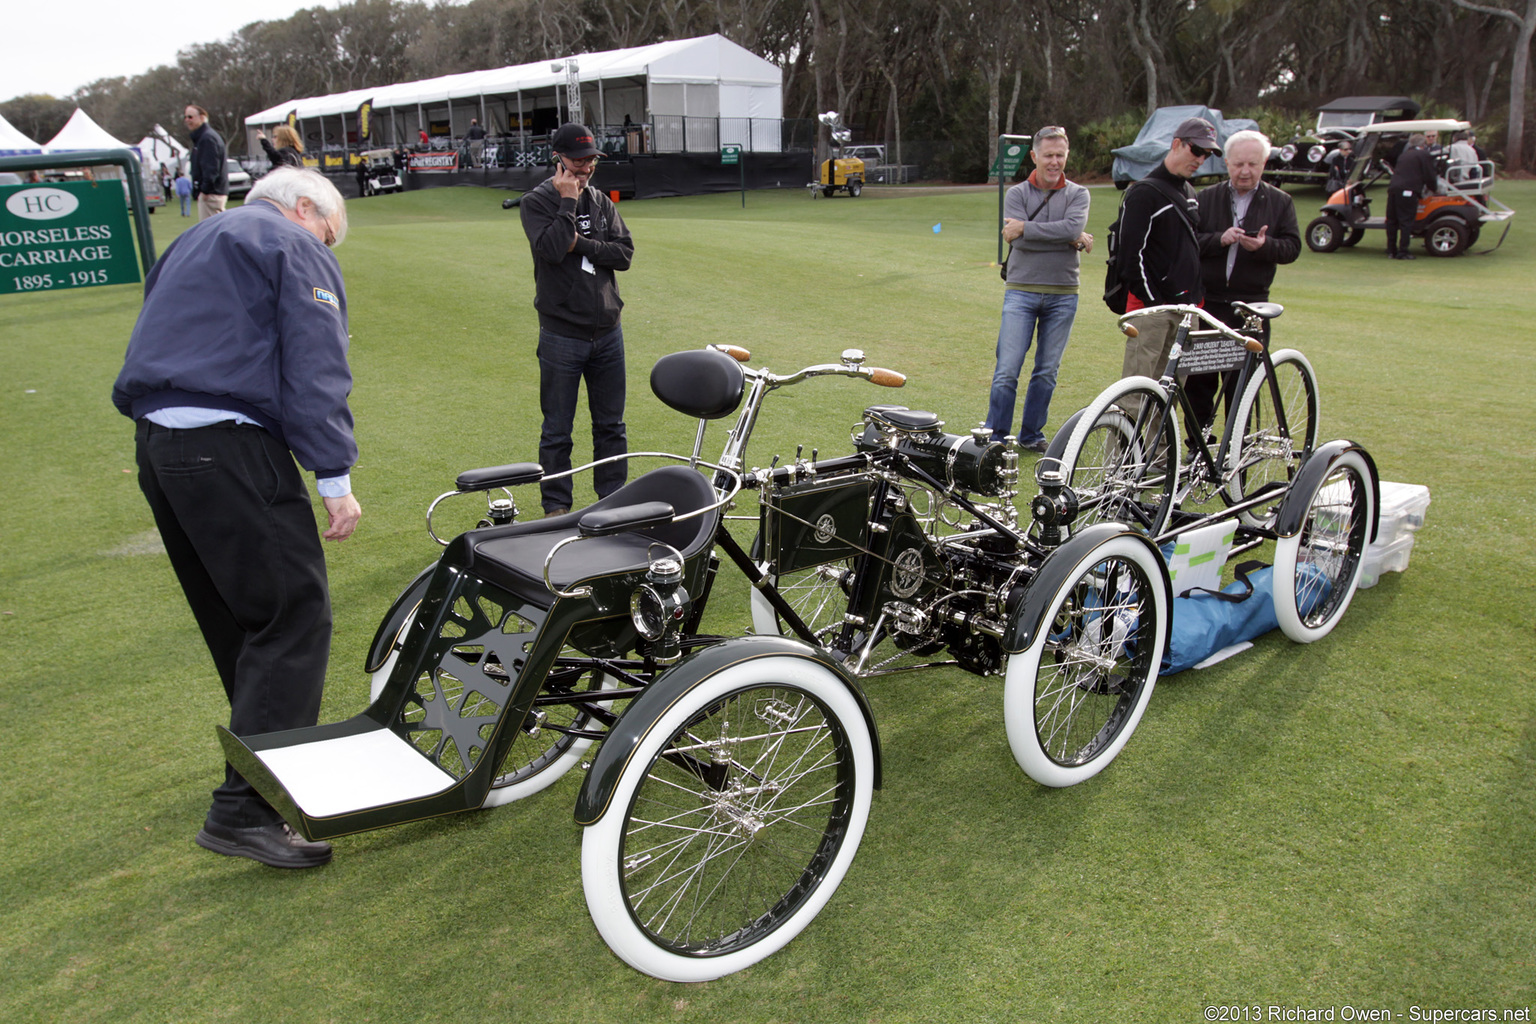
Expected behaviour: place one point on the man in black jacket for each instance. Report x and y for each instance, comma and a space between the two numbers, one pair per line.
1412, 175
210, 173
579, 242
1159, 257
1246, 229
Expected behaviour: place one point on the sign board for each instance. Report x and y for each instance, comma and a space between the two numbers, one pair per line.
1211, 355
1009, 157
68, 234
730, 155
446, 160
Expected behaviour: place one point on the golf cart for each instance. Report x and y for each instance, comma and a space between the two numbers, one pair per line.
1449, 221
1305, 159
378, 172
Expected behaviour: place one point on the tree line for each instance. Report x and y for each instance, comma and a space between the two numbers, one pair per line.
955, 71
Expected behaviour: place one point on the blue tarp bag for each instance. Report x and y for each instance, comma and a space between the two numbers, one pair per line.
1205, 622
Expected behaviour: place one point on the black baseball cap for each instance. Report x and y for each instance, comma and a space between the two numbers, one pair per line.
574, 141
1198, 131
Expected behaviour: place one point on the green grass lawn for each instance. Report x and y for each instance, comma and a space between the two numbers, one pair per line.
1350, 823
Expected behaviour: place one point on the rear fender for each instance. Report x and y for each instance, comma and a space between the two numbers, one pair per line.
642, 715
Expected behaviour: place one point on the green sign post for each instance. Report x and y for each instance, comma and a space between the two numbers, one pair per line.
730, 156
1010, 154
67, 234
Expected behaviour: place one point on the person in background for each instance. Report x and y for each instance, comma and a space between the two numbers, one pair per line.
579, 243
1340, 162
184, 193
210, 172
1044, 218
1412, 175
476, 137
236, 368
285, 148
1246, 229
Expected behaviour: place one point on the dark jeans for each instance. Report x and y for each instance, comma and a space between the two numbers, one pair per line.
563, 363
241, 534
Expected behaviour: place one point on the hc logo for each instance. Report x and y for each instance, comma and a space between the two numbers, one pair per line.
41, 203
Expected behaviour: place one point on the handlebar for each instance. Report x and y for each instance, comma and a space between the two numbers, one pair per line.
1213, 326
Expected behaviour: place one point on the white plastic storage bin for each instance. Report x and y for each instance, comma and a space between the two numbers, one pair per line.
1402, 510
1389, 557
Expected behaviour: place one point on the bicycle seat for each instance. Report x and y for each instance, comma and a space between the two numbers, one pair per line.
1264, 310
704, 382
512, 556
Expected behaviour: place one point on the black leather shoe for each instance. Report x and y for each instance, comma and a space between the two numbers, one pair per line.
1038, 447
277, 846
1404, 256
550, 513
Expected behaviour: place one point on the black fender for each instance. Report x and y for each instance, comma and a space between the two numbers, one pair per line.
1028, 615
394, 620
647, 709
1293, 509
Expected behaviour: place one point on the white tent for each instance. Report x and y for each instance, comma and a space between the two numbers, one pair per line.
13, 143
706, 78
159, 148
80, 132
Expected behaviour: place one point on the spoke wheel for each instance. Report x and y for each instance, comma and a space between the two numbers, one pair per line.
1075, 695
819, 595
1121, 473
1317, 570
1263, 453
536, 760
733, 822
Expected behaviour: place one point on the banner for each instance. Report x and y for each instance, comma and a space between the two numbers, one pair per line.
448, 160
69, 234
364, 121
293, 119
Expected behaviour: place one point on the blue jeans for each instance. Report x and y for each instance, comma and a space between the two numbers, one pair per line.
186, 205
563, 363
1022, 311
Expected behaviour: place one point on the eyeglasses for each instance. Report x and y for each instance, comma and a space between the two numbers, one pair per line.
189, 117
1051, 131
585, 161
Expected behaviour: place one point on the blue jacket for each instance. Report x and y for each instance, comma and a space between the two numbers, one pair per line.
246, 312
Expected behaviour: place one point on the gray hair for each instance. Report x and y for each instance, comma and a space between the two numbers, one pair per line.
1417, 139
1246, 135
285, 186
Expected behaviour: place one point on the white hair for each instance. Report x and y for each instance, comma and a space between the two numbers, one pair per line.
1246, 135
285, 186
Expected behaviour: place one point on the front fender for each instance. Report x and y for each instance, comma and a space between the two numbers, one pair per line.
1028, 616
394, 620
648, 708
1293, 509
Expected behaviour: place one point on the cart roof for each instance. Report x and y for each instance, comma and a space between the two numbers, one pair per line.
1366, 103
1431, 124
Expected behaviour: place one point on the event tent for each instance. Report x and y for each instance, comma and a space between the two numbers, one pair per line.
80, 132
158, 148
13, 143
702, 78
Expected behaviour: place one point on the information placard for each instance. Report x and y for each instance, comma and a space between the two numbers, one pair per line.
67, 234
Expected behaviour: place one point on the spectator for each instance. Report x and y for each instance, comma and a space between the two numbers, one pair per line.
1044, 220
476, 137
210, 173
1246, 229
579, 242
1413, 173
1340, 162
184, 193
1159, 257
237, 367
289, 148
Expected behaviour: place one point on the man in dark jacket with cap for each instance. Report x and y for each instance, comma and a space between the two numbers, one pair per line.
1159, 255
579, 242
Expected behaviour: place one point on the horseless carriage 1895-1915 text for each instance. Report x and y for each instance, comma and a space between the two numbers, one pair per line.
734, 775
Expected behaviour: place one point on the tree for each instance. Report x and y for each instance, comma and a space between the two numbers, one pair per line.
1519, 66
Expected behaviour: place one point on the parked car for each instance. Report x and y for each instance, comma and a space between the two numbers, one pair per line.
1304, 159
239, 181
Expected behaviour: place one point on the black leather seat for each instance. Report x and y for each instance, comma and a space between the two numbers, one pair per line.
512, 556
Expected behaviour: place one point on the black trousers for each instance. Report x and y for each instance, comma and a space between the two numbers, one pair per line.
1204, 390
241, 534
1401, 211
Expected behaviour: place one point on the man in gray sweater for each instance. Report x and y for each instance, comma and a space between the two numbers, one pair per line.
1043, 221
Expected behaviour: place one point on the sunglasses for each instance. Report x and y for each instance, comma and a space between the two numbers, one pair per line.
1200, 151
1051, 131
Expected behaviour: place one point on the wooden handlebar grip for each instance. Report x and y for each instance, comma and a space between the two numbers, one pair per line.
1254, 345
736, 352
1129, 330
886, 378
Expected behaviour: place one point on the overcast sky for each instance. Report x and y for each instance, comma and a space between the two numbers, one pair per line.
56, 47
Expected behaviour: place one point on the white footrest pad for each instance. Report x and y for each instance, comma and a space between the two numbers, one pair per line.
352, 773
